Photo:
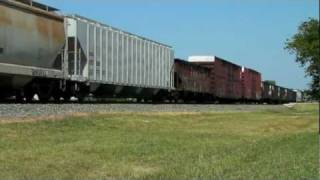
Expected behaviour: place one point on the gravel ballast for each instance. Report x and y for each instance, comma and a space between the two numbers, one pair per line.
44, 110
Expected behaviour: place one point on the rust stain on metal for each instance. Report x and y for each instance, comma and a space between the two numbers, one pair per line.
44, 34
15, 18
42, 26
58, 33
191, 77
50, 29
4, 19
33, 10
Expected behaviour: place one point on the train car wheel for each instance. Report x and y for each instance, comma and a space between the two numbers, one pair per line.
56, 98
44, 93
81, 99
66, 98
29, 97
19, 97
43, 98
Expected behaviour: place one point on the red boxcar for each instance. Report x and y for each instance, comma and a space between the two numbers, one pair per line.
191, 77
225, 76
251, 84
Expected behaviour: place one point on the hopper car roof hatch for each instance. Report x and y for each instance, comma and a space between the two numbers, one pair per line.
38, 5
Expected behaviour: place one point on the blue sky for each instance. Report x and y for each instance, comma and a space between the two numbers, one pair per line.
248, 32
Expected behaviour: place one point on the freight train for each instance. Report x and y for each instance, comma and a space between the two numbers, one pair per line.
58, 57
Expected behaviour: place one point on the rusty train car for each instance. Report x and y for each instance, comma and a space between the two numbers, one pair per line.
272, 93
31, 43
51, 55
230, 82
251, 84
58, 57
225, 77
191, 81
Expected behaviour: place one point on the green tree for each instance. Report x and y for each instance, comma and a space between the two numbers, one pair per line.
305, 45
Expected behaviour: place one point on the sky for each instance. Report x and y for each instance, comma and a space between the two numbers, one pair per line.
251, 33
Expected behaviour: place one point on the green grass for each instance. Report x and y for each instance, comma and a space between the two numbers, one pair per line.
256, 145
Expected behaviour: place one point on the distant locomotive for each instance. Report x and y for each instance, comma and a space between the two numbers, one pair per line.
56, 56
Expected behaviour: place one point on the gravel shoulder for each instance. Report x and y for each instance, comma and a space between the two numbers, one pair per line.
14, 112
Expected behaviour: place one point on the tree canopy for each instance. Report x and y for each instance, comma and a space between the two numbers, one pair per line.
305, 45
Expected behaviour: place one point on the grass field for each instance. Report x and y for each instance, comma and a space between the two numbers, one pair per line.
257, 145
